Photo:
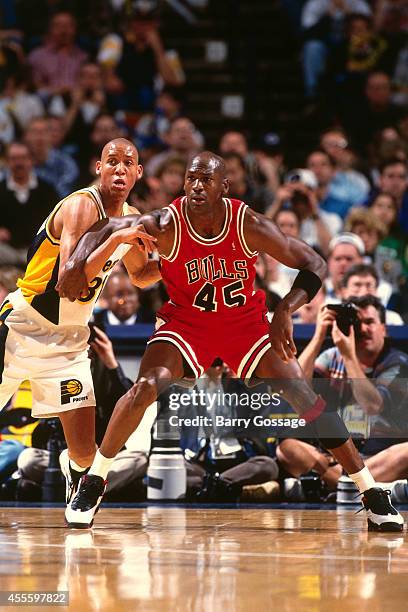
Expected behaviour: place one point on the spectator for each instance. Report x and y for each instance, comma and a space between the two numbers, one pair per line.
288, 222
167, 185
151, 129
400, 79
123, 303
391, 255
371, 230
390, 18
363, 279
183, 140
55, 65
51, 165
242, 188
362, 51
394, 180
347, 184
373, 112
364, 377
330, 199
21, 105
25, 198
345, 250
81, 106
386, 145
323, 23
261, 168
131, 62
299, 192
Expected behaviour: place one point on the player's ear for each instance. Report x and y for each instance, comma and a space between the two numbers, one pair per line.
139, 171
98, 166
225, 186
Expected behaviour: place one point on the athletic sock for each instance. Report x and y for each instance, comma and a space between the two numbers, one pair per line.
363, 479
76, 470
101, 465
76, 467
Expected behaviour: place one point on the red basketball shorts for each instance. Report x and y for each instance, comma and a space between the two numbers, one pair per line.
240, 337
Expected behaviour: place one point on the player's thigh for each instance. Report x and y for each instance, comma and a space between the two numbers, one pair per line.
62, 383
162, 362
8, 387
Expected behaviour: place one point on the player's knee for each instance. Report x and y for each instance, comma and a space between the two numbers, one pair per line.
142, 394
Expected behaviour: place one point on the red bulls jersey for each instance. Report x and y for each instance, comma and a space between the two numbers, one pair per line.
210, 275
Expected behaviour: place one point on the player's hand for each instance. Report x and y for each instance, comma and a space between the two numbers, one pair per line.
345, 344
72, 283
137, 236
281, 334
104, 349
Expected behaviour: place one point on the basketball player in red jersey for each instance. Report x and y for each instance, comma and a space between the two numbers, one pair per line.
208, 246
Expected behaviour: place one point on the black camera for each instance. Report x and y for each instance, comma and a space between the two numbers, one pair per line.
346, 315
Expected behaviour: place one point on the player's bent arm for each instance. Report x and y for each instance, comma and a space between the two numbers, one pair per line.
75, 217
97, 235
73, 281
261, 234
149, 275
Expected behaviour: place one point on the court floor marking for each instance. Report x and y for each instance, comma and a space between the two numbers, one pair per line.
181, 551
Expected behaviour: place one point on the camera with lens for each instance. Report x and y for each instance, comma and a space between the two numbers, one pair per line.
346, 315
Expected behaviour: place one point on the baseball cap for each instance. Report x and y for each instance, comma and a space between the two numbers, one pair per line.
347, 238
302, 175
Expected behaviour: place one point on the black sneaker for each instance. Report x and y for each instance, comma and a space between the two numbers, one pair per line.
81, 510
72, 477
381, 514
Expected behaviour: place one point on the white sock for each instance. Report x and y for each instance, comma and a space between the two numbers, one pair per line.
363, 479
76, 467
101, 465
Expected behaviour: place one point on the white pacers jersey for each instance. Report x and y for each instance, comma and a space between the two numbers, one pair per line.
41, 276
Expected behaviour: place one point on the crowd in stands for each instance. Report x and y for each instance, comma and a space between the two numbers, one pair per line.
73, 78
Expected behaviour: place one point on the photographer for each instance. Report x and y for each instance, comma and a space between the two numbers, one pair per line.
317, 227
366, 375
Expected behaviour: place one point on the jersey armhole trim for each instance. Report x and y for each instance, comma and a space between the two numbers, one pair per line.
94, 199
177, 234
240, 231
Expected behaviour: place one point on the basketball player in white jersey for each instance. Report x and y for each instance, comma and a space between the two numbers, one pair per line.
43, 337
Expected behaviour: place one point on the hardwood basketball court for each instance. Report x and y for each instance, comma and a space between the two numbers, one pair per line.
213, 559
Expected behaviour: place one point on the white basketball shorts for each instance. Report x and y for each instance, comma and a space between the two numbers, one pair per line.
53, 358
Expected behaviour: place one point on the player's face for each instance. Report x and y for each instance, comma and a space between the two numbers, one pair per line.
119, 168
204, 185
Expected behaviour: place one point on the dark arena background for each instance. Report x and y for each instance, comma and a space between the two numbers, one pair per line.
222, 499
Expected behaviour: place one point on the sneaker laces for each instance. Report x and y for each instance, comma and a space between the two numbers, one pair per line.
89, 491
379, 502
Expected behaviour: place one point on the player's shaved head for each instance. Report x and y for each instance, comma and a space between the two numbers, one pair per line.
208, 161
123, 144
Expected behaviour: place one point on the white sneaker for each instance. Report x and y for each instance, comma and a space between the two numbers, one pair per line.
81, 510
381, 514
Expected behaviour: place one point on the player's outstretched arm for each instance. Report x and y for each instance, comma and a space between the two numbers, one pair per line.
261, 234
88, 257
144, 272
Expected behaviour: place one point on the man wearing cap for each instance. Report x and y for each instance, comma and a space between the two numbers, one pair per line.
346, 250
317, 226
